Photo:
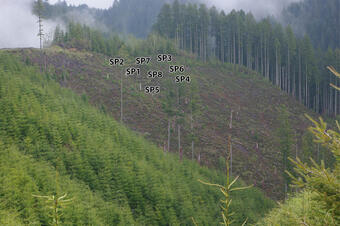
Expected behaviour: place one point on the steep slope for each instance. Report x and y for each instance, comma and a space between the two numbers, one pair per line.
23, 176
256, 105
113, 175
222, 88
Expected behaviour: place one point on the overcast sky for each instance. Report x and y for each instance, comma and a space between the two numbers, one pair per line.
91, 3
259, 8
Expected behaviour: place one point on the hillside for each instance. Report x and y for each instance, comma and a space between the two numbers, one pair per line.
222, 88
114, 176
170, 112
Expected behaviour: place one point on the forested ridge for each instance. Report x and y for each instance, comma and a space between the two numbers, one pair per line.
319, 19
125, 17
288, 61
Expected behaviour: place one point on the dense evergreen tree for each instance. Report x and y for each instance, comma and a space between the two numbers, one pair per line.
319, 19
288, 61
38, 9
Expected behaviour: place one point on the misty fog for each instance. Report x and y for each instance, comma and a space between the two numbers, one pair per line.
259, 8
101, 4
18, 25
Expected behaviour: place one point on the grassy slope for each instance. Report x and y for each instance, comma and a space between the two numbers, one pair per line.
114, 175
255, 102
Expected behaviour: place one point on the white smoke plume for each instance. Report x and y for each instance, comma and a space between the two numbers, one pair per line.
18, 25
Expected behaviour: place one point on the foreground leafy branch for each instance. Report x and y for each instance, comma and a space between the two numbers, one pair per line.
226, 191
317, 178
56, 204
337, 74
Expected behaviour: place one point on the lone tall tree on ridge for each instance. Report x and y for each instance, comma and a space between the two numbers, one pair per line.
38, 9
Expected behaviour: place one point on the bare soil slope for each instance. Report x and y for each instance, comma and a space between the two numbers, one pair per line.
256, 106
